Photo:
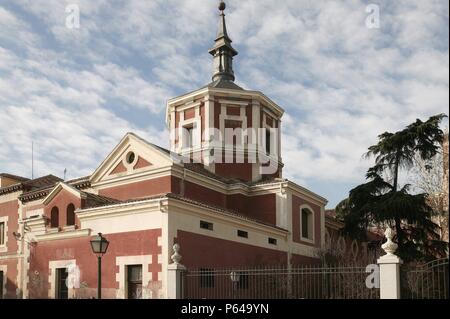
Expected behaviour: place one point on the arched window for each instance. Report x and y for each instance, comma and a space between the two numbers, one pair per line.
307, 224
70, 217
54, 217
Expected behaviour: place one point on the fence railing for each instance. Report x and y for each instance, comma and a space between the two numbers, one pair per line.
302, 282
427, 281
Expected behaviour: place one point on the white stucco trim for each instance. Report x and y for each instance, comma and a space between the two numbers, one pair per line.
102, 175
9, 197
50, 236
60, 186
121, 276
196, 122
172, 103
52, 266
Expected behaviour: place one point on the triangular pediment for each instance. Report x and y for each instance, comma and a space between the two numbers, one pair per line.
60, 187
132, 156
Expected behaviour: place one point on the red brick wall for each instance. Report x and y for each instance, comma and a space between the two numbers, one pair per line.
123, 244
202, 251
11, 209
120, 168
62, 200
235, 111
189, 114
141, 163
237, 202
142, 189
242, 171
217, 111
263, 207
204, 195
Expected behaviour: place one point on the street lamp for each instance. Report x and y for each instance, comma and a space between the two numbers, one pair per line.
99, 246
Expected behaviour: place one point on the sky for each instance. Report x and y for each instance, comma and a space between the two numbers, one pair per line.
75, 92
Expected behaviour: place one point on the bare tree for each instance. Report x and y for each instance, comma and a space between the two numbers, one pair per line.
431, 177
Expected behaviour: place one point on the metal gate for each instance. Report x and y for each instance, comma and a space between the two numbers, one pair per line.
303, 282
427, 281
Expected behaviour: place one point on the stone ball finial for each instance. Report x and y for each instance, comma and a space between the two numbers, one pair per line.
176, 257
222, 6
389, 246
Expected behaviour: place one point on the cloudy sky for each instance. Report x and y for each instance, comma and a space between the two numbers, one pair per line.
76, 92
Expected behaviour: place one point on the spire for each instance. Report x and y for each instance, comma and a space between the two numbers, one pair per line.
222, 51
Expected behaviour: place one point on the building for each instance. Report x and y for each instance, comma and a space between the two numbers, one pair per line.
219, 193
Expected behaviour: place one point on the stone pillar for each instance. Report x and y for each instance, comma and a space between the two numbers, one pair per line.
389, 269
175, 276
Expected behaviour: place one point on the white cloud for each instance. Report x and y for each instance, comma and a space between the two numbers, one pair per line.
341, 83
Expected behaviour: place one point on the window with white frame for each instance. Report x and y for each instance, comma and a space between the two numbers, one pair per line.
189, 138
2, 233
307, 224
268, 142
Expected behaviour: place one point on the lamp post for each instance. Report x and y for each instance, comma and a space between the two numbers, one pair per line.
235, 278
99, 246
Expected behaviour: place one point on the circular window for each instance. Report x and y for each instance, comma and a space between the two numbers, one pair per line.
131, 157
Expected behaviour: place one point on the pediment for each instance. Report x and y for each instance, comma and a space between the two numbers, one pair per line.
132, 156
60, 187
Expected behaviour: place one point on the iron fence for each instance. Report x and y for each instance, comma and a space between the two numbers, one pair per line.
301, 282
426, 281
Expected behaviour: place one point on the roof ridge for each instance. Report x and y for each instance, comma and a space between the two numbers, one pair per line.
14, 177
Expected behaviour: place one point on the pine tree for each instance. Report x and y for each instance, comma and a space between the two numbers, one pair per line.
381, 201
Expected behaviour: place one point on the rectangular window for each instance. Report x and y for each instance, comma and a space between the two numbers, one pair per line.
305, 233
272, 241
134, 282
268, 142
242, 234
206, 225
1, 284
62, 291
188, 136
2, 233
206, 278
307, 224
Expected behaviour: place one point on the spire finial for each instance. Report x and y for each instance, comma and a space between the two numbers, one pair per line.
222, 6
222, 51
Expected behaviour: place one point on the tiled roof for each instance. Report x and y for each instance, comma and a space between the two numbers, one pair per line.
224, 84
14, 177
193, 202
93, 200
41, 182
48, 182
32, 185
221, 210
199, 168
